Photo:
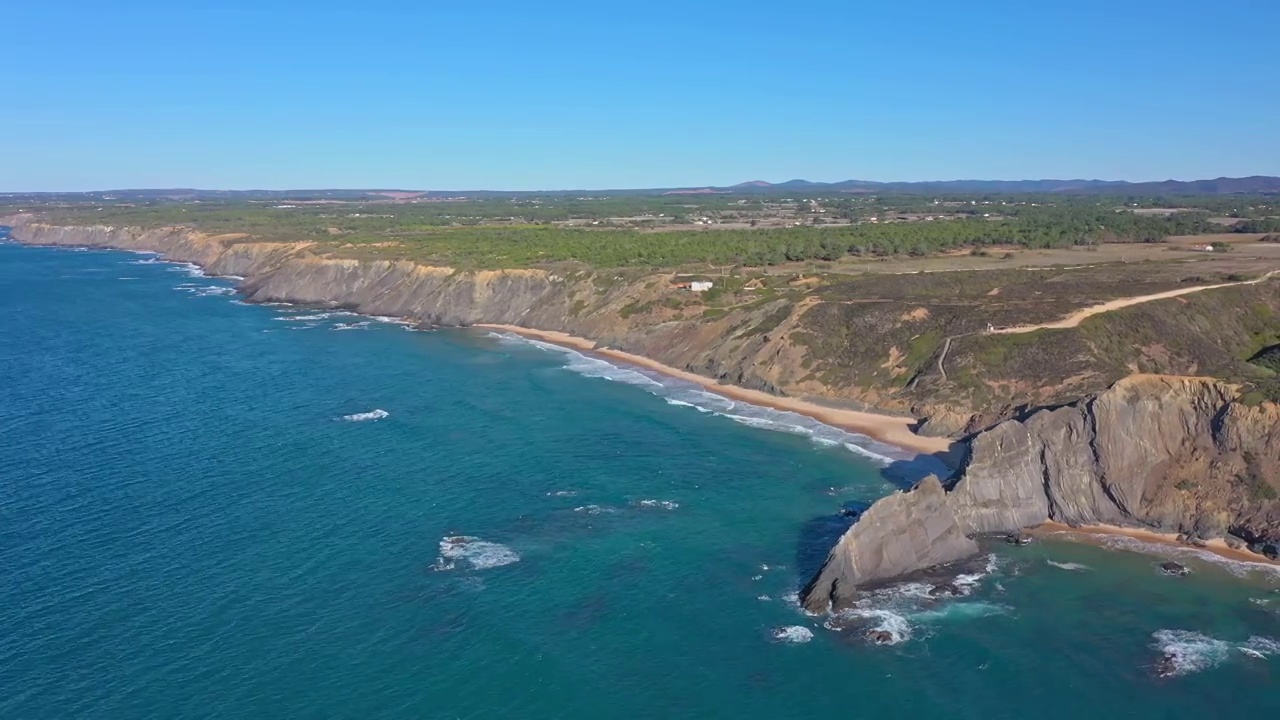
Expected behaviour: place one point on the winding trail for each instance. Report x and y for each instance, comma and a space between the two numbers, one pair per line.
1079, 316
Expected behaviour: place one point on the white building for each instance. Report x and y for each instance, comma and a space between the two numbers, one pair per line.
700, 285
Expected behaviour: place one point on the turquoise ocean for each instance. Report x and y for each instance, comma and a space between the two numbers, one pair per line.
216, 510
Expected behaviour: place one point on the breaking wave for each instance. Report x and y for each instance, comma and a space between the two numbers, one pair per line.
682, 393
315, 317
1239, 568
190, 269
894, 614
664, 504
372, 415
791, 634
205, 290
1190, 652
474, 553
1076, 567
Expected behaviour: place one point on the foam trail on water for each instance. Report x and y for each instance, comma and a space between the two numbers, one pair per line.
372, 415
792, 634
1239, 568
1189, 652
682, 393
474, 553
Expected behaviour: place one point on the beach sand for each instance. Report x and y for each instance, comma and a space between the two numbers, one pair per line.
890, 429
1083, 533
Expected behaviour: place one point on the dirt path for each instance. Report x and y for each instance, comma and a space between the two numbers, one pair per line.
1079, 316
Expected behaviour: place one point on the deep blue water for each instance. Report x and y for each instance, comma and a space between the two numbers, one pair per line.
189, 528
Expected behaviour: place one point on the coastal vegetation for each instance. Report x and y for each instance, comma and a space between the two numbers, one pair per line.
674, 231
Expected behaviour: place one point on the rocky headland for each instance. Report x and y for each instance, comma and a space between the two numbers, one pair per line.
1167, 454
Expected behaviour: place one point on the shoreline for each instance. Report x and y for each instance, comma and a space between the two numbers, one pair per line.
1084, 533
890, 429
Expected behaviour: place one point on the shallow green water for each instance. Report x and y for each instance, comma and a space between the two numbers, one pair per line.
190, 528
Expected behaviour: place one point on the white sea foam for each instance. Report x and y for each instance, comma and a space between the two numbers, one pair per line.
562, 493
877, 620
595, 510
792, 634
1077, 567
1189, 652
372, 415
960, 611
350, 326
191, 269
311, 318
205, 290
390, 320
763, 598
664, 504
1239, 568
682, 393
474, 553
906, 610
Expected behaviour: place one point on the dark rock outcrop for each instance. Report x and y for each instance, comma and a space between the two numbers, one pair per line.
1171, 454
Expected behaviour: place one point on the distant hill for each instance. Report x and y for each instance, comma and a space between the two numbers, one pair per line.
1257, 184
1254, 185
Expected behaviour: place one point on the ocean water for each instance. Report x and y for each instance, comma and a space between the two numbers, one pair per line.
216, 510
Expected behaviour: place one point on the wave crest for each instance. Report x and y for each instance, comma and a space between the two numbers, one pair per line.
474, 553
371, 416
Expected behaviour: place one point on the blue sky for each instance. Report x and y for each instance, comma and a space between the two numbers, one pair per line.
526, 95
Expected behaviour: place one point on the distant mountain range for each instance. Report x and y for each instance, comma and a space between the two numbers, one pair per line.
1256, 184
1253, 185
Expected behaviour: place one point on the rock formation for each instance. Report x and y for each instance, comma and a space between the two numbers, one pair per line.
1171, 454
901, 533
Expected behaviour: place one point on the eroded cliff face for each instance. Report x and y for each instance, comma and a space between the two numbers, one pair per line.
1170, 454
599, 306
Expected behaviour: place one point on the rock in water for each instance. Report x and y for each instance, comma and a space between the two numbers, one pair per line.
1175, 569
945, 590
1018, 538
880, 637
899, 534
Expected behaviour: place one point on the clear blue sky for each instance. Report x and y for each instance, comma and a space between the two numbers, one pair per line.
527, 95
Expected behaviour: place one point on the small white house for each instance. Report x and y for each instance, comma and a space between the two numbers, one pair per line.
700, 285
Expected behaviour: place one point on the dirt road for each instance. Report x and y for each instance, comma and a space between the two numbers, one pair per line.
1079, 316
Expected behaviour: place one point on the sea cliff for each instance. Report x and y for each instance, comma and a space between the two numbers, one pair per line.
1168, 454
595, 305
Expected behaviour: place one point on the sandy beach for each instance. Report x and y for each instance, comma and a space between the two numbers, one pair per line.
1085, 532
891, 429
